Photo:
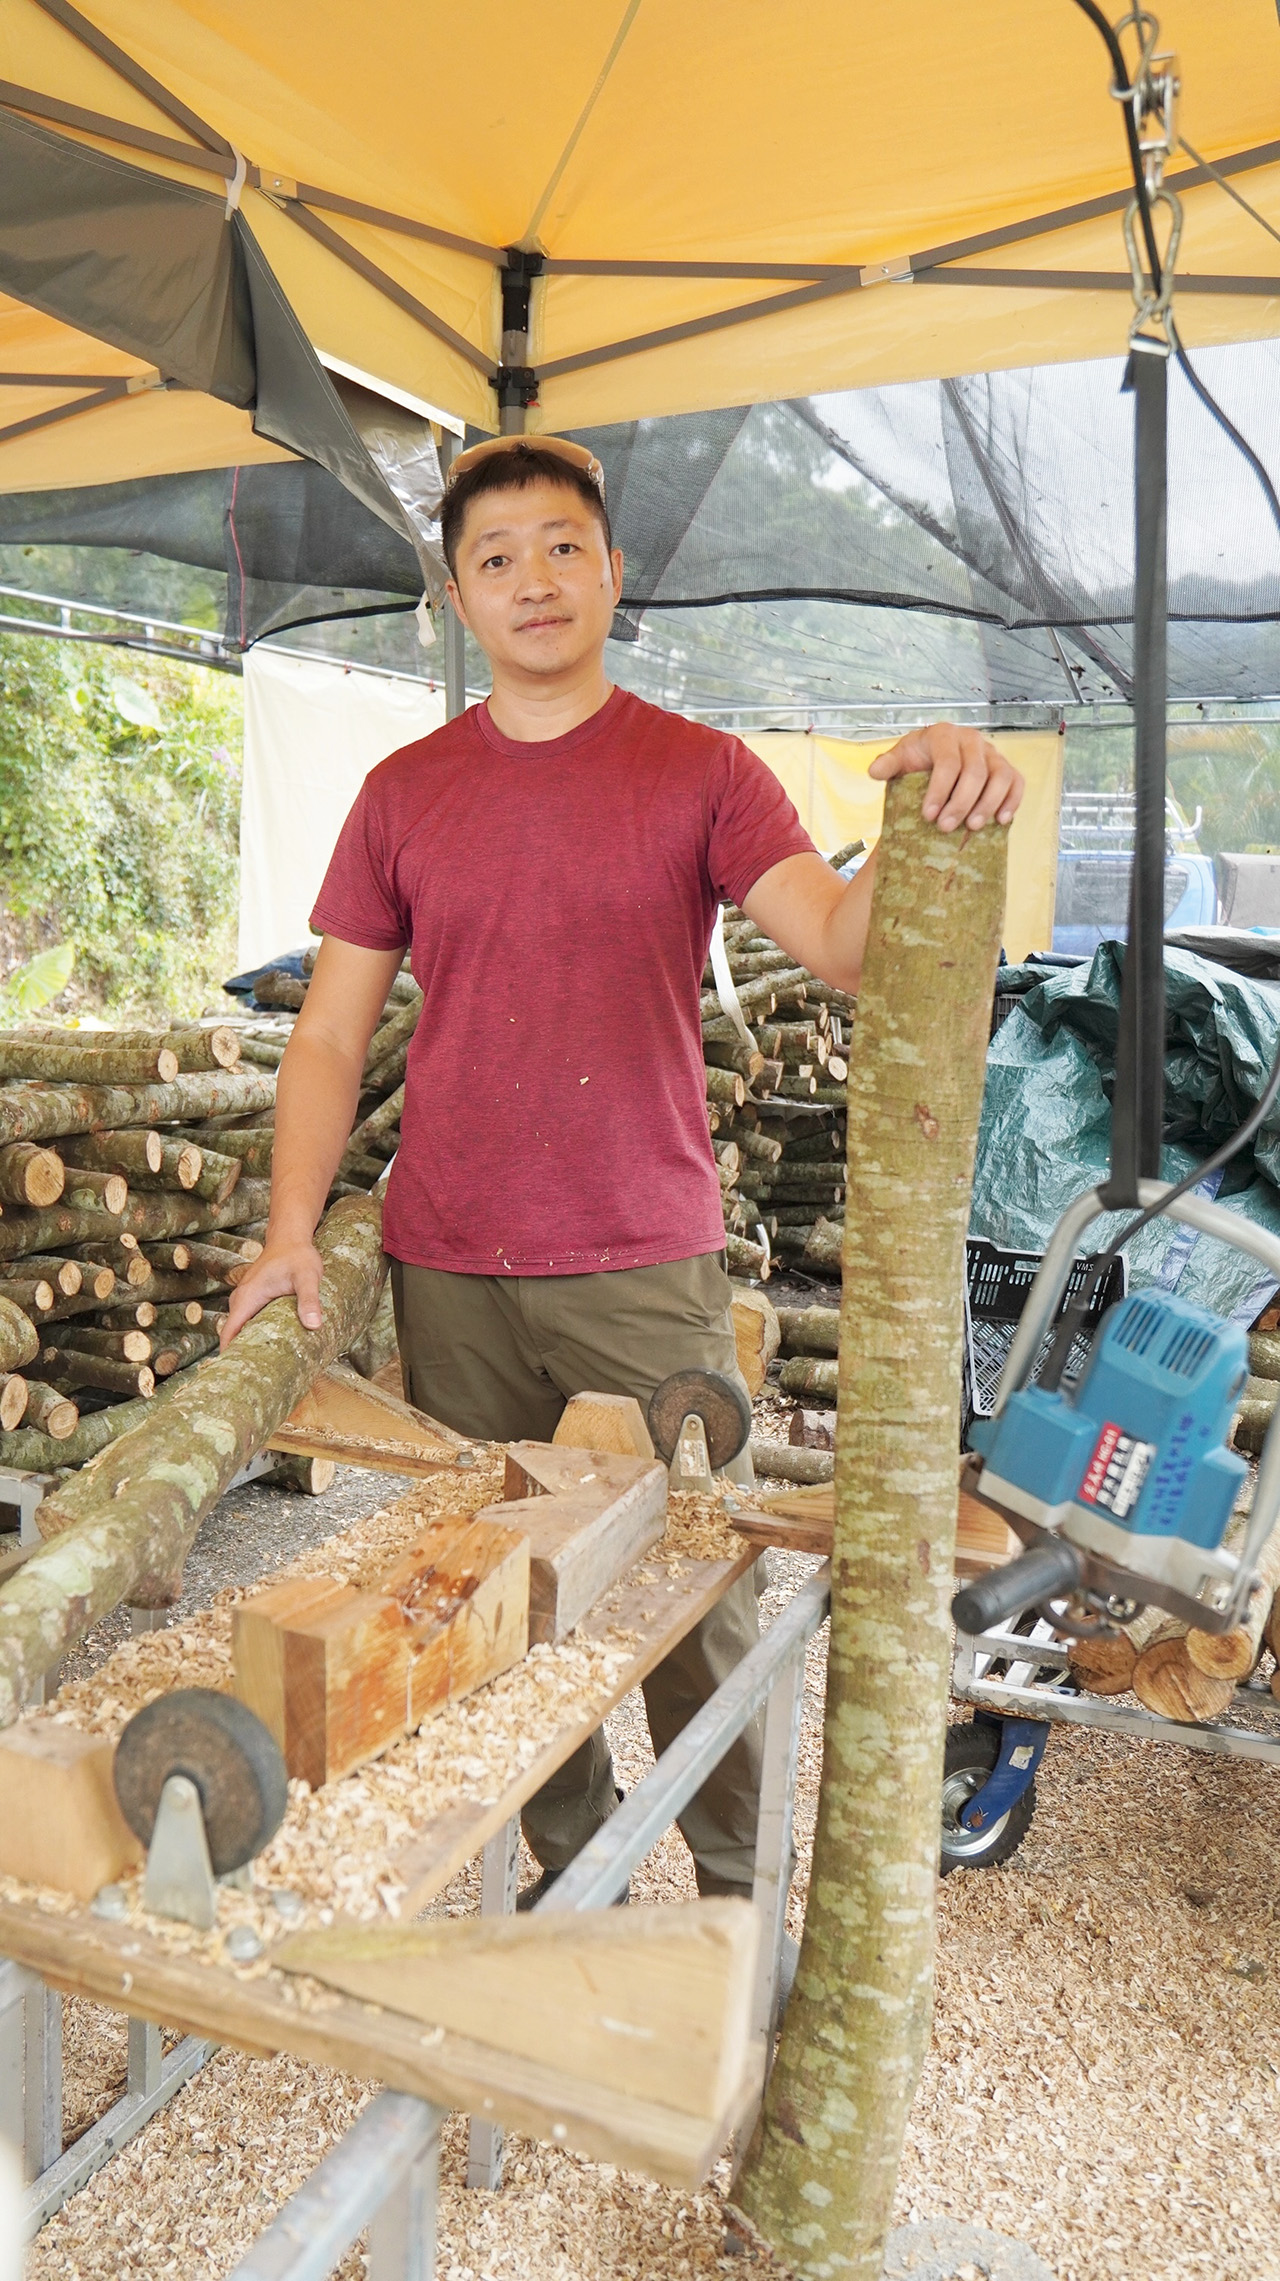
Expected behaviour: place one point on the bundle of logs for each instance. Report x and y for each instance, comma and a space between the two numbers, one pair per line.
782, 1170
134, 1184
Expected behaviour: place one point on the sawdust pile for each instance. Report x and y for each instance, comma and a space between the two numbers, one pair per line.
1104, 2079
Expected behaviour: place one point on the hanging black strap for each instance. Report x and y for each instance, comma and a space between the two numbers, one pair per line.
1137, 1116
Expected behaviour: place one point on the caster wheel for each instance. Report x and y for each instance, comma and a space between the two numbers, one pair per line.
971, 1753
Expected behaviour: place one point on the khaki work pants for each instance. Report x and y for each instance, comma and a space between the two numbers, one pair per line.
498, 1356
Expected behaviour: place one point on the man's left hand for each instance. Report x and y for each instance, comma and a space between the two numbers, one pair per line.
970, 783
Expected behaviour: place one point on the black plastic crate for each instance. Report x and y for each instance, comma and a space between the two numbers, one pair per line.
996, 1287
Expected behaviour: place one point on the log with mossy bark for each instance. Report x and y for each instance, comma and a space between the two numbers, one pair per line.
808, 1374
30, 1175
122, 1528
48, 1411
128, 1344
809, 1330
87, 1191
46, 1054
19, 1338
182, 1348
70, 1370
820, 2177
38, 1109
160, 1218
253, 1146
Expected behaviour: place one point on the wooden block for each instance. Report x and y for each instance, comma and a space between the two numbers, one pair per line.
599, 1513
757, 1335
651, 2003
358, 1422
802, 1520
338, 1675
59, 1821
604, 1421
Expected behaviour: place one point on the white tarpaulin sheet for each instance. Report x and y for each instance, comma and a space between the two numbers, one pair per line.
312, 732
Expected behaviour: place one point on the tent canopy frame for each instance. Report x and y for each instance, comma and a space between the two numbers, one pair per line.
514, 380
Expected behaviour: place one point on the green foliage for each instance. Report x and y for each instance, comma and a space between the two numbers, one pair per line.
30, 986
1229, 770
119, 817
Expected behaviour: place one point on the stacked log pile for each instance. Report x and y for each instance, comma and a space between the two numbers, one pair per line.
134, 1185
776, 1104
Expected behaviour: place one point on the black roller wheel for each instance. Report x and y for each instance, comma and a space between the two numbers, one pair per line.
723, 1406
223, 1746
971, 1753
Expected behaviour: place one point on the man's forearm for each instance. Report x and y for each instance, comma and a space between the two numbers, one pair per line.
316, 1099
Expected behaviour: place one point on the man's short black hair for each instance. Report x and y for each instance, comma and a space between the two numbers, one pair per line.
515, 470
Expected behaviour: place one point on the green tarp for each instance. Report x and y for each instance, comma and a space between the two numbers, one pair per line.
1046, 1117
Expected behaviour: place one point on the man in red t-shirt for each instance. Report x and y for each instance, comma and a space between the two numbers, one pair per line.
553, 860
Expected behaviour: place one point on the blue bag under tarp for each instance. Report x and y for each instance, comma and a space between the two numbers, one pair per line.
1046, 1117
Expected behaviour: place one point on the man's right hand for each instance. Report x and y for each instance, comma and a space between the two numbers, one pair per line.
284, 1268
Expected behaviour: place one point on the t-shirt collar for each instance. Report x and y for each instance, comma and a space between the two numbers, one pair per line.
605, 721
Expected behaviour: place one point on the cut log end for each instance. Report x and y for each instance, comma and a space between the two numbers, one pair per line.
14, 1392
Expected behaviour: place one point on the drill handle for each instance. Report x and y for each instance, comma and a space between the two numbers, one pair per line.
1044, 1573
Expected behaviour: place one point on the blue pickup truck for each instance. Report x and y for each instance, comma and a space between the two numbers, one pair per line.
1095, 847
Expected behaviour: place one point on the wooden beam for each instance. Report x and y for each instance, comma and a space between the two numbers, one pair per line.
356, 1421
652, 2003
588, 1515
338, 1675
803, 1521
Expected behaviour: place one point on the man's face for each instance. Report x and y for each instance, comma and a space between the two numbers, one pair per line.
535, 581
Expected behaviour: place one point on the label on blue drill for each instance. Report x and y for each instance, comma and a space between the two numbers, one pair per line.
1116, 1471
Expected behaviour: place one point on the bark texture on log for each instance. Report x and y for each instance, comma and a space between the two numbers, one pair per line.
820, 2177
19, 1338
26, 1055
122, 1528
134, 1152
780, 1462
39, 1110
809, 1330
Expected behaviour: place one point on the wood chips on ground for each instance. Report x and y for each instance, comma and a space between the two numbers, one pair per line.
1104, 2078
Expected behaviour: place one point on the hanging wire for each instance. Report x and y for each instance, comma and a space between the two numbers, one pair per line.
1075, 1314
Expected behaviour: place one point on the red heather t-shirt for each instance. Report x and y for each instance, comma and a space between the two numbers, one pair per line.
559, 900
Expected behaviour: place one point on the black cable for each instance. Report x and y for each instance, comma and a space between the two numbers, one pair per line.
1124, 88
1228, 427
1074, 1315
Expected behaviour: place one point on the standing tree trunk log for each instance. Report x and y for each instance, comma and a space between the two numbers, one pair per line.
43, 1111
123, 1528
820, 2177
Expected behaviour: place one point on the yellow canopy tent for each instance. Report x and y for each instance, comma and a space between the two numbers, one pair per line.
588, 213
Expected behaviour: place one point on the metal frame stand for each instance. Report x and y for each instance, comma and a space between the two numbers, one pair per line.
1034, 1683
384, 2168
499, 1869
